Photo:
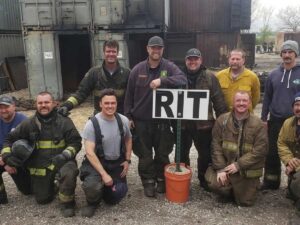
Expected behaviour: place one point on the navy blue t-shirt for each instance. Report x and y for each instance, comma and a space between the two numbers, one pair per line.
5, 128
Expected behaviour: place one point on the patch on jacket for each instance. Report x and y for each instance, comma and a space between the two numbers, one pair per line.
163, 73
297, 81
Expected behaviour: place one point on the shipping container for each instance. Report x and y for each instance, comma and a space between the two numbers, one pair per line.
43, 63
58, 15
10, 19
130, 14
98, 39
11, 45
248, 45
209, 15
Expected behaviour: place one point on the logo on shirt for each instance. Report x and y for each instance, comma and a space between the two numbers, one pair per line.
297, 81
163, 73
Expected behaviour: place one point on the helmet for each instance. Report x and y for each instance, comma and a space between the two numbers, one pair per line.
113, 194
22, 150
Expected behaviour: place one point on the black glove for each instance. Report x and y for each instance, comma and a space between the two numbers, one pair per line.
59, 160
13, 161
63, 110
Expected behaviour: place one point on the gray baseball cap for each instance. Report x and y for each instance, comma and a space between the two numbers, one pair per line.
193, 52
156, 41
6, 100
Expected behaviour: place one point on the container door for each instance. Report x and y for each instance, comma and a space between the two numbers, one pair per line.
74, 13
36, 13
108, 12
97, 47
43, 63
248, 45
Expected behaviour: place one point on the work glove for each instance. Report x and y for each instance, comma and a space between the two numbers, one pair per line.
65, 108
13, 161
59, 160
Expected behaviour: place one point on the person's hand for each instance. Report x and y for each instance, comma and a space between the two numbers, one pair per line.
59, 160
288, 170
294, 163
155, 83
131, 124
222, 178
231, 169
265, 123
63, 110
10, 169
125, 165
2, 163
108, 181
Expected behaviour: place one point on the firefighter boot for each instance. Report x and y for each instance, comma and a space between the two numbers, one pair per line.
68, 209
161, 186
88, 210
149, 189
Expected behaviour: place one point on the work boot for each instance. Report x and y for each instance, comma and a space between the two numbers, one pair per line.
149, 189
88, 210
269, 186
161, 186
203, 184
68, 209
3, 197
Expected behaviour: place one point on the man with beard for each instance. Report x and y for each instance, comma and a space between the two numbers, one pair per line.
200, 131
289, 151
9, 120
56, 143
238, 78
280, 88
147, 75
239, 148
109, 75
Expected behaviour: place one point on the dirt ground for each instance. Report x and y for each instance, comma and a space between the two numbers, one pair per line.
202, 208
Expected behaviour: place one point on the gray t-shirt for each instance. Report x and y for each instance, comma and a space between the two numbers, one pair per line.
111, 140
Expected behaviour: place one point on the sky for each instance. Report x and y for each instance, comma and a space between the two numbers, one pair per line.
277, 5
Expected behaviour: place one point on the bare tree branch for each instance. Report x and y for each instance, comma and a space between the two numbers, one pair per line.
290, 18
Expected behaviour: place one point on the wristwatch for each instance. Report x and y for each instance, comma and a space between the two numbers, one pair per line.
128, 160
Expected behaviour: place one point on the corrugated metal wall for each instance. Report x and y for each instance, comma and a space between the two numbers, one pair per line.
11, 45
10, 19
200, 15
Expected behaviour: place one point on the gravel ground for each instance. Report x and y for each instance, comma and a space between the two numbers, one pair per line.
202, 208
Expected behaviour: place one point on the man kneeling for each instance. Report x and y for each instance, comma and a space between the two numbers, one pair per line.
239, 147
108, 144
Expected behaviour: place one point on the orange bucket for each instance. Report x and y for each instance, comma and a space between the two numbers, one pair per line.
177, 183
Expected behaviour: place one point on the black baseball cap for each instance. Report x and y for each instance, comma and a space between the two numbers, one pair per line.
156, 41
193, 52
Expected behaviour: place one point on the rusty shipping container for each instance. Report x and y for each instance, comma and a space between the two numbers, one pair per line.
11, 45
10, 20
209, 15
213, 46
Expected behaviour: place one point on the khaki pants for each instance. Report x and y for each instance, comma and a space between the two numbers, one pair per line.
243, 189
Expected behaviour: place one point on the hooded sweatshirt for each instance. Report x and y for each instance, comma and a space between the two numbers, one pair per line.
280, 89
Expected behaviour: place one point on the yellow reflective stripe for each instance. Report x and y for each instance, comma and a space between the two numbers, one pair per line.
65, 198
72, 150
2, 187
248, 147
230, 146
271, 177
252, 173
37, 172
50, 144
6, 150
51, 167
73, 100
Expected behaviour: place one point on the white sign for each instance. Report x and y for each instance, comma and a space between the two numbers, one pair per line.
48, 55
180, 104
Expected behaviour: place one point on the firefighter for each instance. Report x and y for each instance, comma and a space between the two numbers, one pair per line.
109, 75
239, 148
56, 143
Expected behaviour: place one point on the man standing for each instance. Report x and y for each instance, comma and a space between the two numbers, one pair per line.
281, 86
289, 151
200, 131
238, 78
110, 75
56, 142
147, 75
108, 144
9, 119
239, 147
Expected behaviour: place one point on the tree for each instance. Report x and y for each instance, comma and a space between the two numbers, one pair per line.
265, 30
290, 18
